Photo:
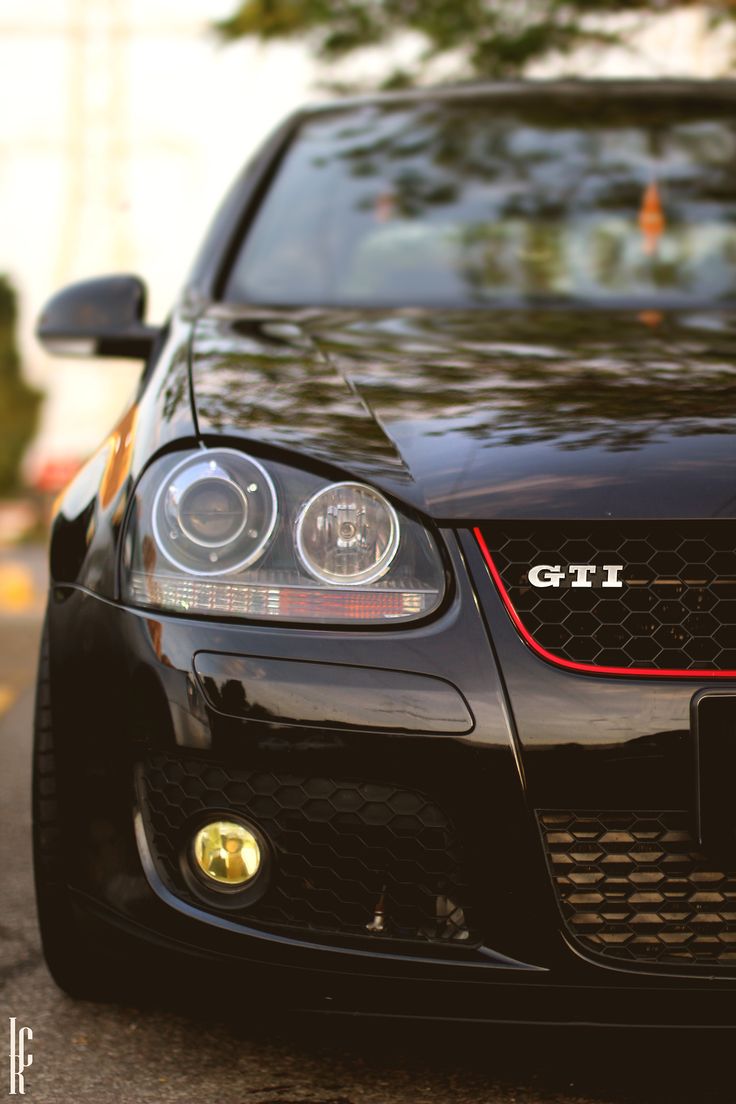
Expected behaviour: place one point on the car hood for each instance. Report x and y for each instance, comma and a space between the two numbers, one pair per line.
480, 415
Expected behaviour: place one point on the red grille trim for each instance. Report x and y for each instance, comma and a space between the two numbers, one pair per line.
569, 664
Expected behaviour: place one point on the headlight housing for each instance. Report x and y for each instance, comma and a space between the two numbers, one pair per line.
217, 532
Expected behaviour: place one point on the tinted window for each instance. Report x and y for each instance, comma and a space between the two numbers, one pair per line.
465, 203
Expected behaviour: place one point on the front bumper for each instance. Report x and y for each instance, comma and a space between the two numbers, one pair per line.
125, 691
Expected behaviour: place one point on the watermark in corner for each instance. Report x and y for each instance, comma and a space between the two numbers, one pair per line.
20, 1056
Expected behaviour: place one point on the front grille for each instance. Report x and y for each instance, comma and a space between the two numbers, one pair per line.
676, 610
633, 886
352, 857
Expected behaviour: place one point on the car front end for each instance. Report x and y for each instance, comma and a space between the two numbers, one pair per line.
391, 649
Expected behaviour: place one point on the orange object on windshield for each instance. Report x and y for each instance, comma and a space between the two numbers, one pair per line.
651, 218
385, 207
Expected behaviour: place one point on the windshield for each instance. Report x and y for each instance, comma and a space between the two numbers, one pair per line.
470, 203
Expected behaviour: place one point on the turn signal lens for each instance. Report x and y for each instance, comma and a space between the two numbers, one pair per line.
289, 602
227, 853
347, 534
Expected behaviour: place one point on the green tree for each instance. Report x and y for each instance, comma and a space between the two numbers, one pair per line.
19, 403
497, 38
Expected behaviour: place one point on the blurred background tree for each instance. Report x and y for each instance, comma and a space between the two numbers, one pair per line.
489, 38
19, 402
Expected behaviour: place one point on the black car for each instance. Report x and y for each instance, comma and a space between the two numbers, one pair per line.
390, 656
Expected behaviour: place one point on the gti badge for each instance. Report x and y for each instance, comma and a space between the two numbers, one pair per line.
579, 575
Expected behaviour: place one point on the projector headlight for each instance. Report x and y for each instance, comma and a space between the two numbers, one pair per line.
214, 513
217, 532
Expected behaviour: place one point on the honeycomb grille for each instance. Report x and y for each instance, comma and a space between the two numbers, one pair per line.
633, 887
675, 611
359, 858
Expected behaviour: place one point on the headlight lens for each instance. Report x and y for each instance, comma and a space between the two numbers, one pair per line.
217, 532
348, 534
214, 513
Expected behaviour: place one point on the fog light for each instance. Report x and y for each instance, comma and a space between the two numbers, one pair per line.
227, 853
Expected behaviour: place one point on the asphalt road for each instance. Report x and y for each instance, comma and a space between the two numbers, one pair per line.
99, 1053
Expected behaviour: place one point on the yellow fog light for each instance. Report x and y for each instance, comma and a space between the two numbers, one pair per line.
227, 853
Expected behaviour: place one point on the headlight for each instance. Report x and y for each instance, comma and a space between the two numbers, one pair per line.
217, 532
348, 534
215, 513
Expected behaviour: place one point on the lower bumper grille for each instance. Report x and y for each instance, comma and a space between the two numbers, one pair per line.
344, 851
633, 886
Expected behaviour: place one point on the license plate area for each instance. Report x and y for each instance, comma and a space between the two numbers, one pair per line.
713, 721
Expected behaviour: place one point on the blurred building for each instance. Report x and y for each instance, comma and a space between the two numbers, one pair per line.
123, 122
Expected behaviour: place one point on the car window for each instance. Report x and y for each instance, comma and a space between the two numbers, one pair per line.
466, 203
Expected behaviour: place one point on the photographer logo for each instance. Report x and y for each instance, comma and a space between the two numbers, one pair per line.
20, 1057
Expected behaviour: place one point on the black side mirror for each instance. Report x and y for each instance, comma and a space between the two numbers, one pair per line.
102, 317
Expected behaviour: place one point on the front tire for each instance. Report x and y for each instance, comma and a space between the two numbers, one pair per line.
77, 963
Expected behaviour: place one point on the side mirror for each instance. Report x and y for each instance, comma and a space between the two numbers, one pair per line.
102, 317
